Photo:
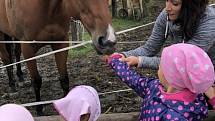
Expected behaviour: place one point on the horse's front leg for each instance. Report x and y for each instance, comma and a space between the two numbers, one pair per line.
19, 72
5, 54
9, 60
61, 59
29, 51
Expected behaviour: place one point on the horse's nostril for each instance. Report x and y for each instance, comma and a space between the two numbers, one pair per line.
101, 41
104, 43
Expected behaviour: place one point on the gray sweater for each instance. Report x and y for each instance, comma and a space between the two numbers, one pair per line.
204, 38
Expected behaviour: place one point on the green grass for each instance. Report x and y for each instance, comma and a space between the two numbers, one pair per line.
80, 51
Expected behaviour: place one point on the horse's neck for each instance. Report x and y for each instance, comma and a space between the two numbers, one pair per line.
63, 7
72, 8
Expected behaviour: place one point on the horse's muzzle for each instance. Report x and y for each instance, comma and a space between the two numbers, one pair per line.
104, 46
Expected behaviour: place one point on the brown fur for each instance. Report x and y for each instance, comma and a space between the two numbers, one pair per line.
49, 20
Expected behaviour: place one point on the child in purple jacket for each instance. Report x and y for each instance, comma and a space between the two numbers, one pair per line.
185, 72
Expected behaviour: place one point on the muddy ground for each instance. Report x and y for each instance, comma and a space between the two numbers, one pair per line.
88, 70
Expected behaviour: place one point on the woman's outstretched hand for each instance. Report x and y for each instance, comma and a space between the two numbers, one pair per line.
131, 60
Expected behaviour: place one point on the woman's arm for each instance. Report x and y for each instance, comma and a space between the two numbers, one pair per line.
153, 44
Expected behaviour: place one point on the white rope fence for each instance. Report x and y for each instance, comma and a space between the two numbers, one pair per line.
212, 4
47, 54
67, 48
131, 29
51, 101
54, 42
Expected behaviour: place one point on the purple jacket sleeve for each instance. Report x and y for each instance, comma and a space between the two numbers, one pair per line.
138, 83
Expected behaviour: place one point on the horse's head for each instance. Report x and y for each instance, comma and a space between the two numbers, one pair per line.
95, 16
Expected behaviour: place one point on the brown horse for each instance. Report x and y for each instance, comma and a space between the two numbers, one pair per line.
49, 20
7, 53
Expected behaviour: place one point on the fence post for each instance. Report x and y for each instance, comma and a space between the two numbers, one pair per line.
114, 8
74, 31
80, 30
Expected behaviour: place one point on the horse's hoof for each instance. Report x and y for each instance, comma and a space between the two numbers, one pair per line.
21, 79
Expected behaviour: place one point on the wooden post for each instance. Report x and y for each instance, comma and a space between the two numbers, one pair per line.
74, 31
144, 9
130, 10
79, 31
124, 4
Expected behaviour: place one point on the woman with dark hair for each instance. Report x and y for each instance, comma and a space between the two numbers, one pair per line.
189, 21
182, 21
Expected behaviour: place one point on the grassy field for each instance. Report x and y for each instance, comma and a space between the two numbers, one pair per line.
121, 24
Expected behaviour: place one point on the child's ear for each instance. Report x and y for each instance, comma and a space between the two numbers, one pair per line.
85, 117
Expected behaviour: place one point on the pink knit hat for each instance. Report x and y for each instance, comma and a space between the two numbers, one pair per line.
187, 66
80, 100
14, 112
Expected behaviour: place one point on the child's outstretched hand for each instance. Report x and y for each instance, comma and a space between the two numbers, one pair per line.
107, 58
